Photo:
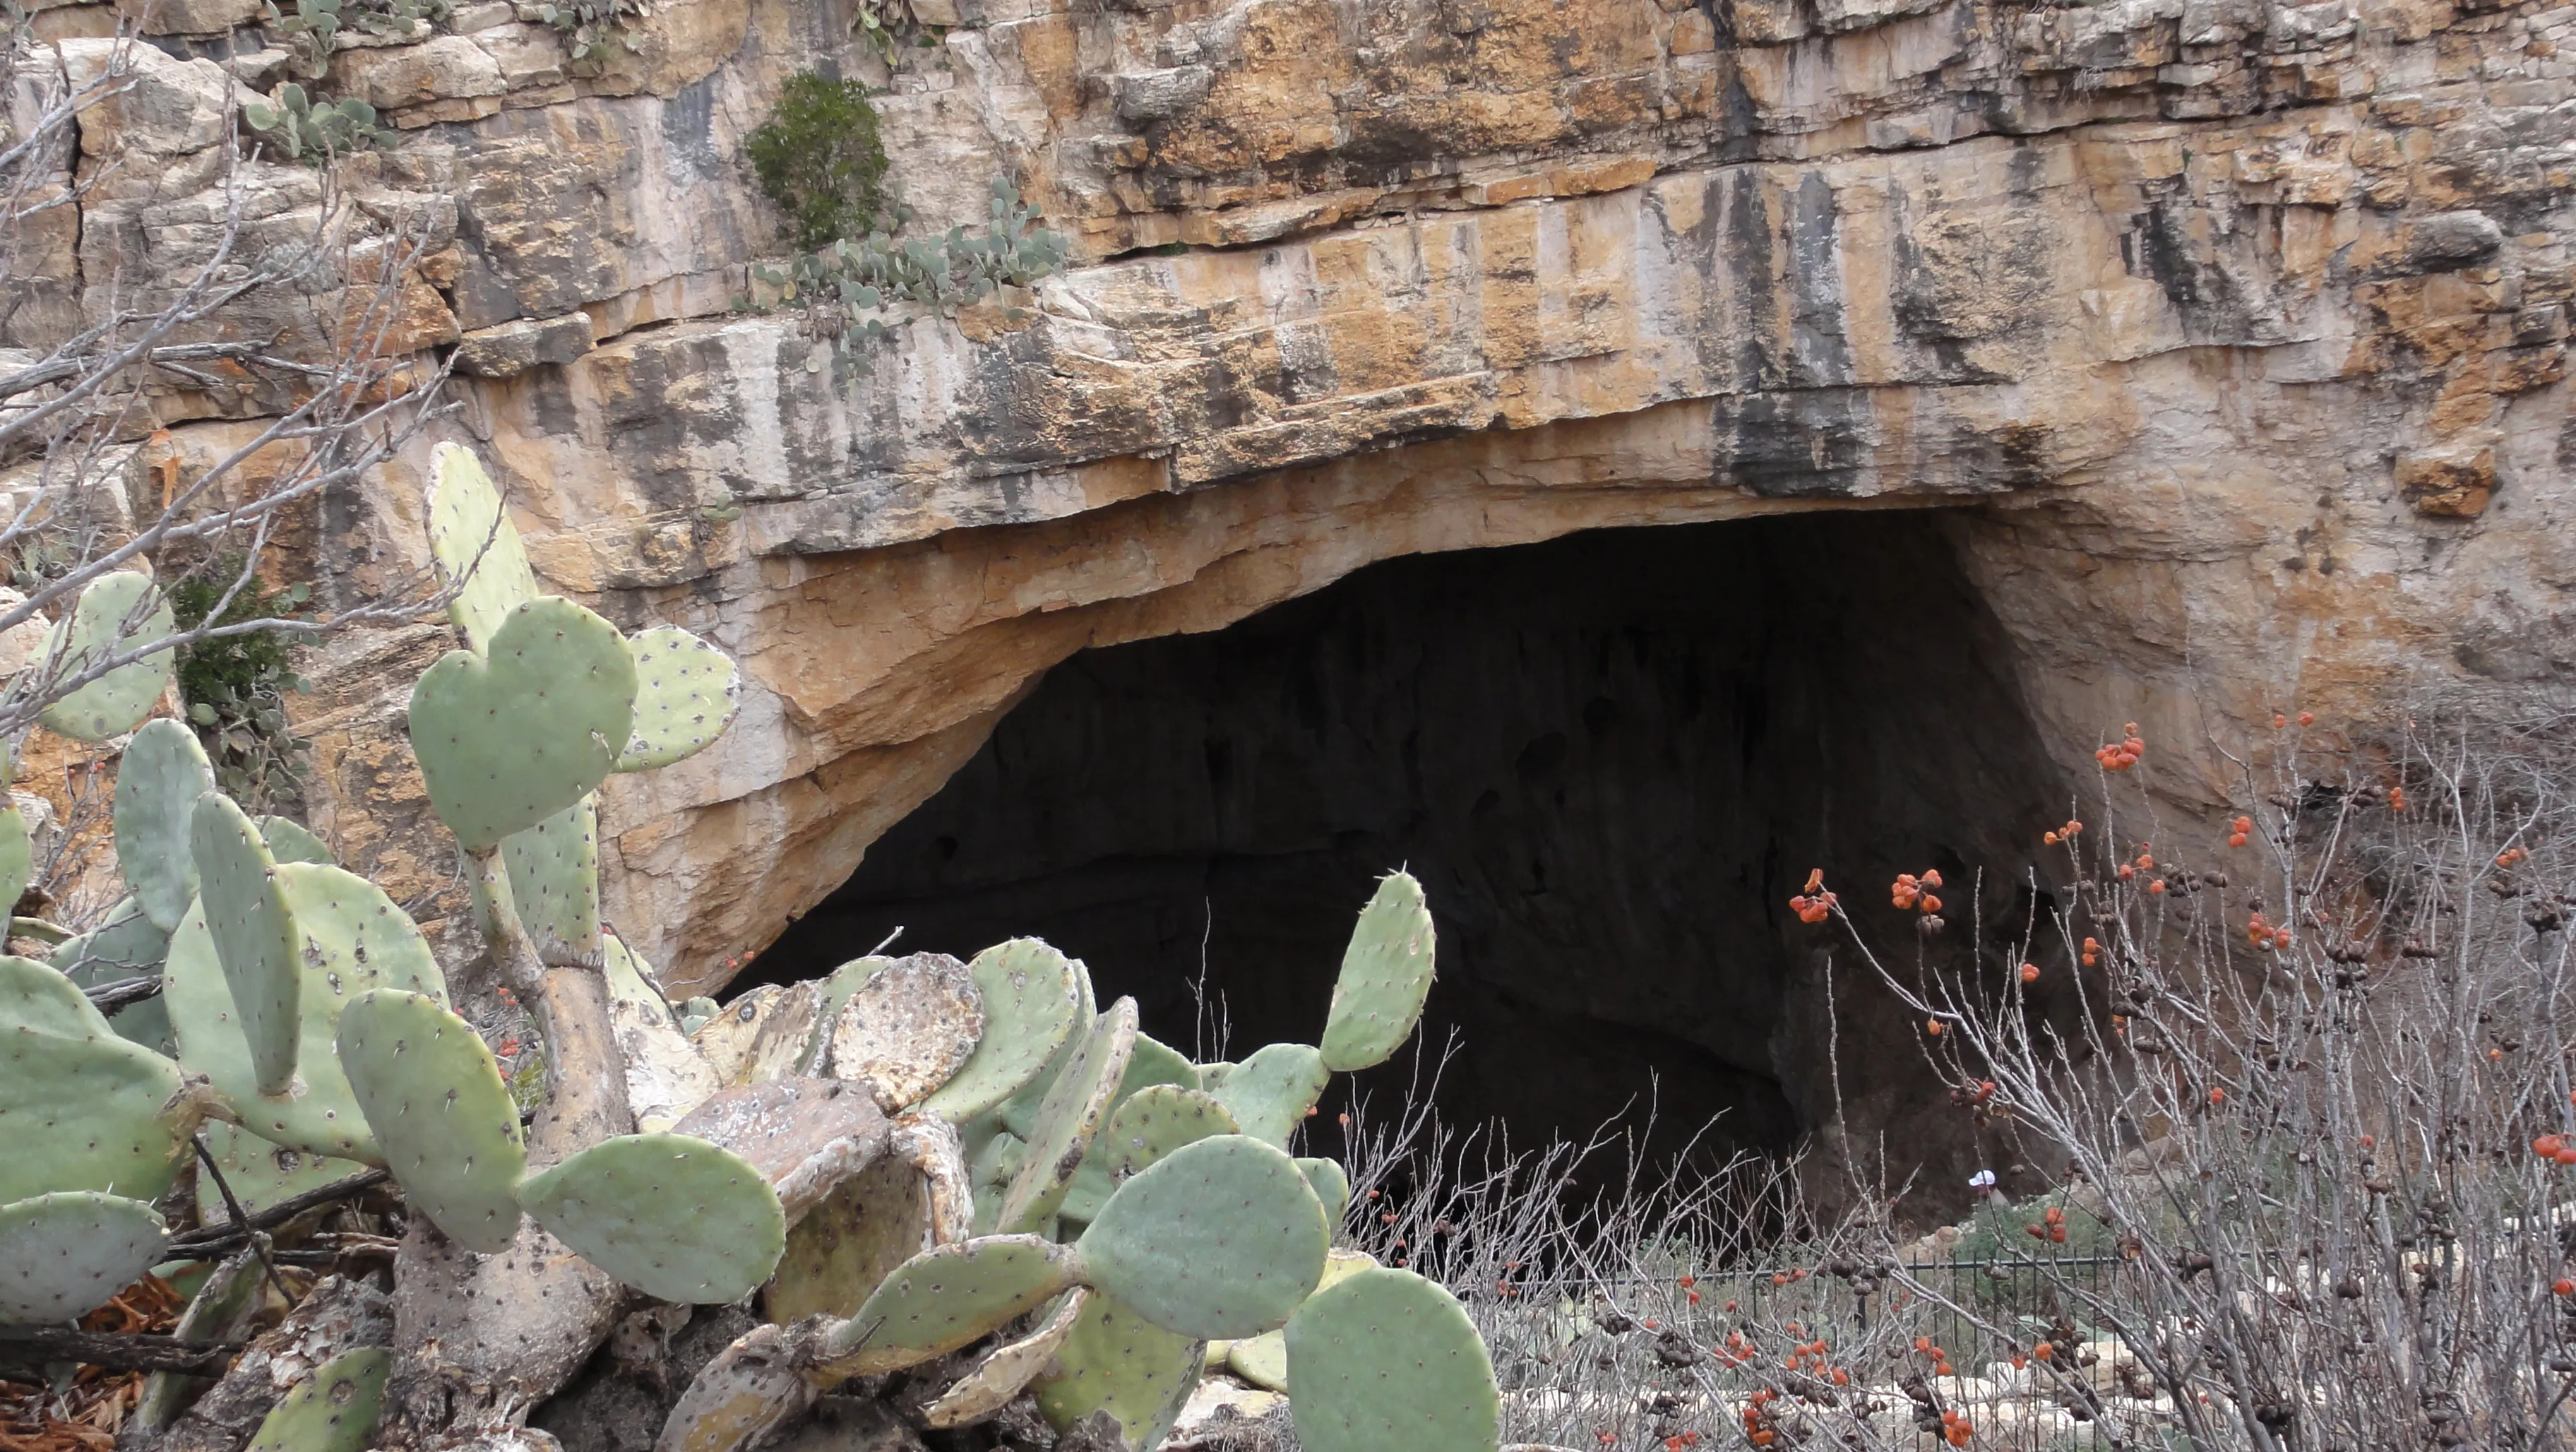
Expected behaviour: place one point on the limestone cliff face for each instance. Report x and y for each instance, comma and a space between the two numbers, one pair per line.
2236, 331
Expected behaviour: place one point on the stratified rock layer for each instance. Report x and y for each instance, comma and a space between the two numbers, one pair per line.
2236, 330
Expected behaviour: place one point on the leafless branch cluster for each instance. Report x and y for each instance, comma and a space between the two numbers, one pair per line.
267, 297
2306, 1103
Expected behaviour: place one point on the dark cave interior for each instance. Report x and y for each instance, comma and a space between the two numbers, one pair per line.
1611, 759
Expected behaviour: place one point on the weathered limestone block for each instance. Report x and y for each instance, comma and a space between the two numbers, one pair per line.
445, 68
511, 349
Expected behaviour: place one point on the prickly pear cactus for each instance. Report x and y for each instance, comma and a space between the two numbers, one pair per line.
908, 1029
472, 540
944, 1298
253, 934
1263, 1360
1156, 1120
512, 737
158, 781
290, 841
1067, 1119
1386, 974
351, 938
1001, 1373
260, 1173
1331, 1184
840, 1251
17, 849
80, 1107
686, 693
1031, 1009
63, 1253
1116, 1362
1271, 1093
437, 1106
1152, 1065
1388, 1359
669, 1214
117, 613
332, 1410
554, 883
1220, 1238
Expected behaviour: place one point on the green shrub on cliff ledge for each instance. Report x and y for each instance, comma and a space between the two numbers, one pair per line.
820, 159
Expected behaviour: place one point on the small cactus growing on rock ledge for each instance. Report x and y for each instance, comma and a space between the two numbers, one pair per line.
970, 1182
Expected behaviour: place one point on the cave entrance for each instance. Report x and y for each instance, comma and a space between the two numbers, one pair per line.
1611, 759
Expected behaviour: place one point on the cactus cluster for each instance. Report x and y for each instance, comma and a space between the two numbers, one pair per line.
1137, 1218
967, 1171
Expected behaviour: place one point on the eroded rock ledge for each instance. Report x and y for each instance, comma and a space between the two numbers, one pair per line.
2236, 332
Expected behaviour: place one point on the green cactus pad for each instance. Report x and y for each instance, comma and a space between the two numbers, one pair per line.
333, 1410
1071, 1114
508, 740
669, 1214
125, 945
944, 1298
261, 1174
907, 1029
1221, 1238
81, 1108
686, 693
64, 1253
440, 1111
1020, 1111
471, 539
351, 938
1153, 1064
1271, 1093
1386, 974
253, 934
995, 1164
840, 1251
1263, 1360
1153, 1122
291, 841
1331, 1184
158, 782
554, 884
1031, 1006
95, 631
1003, 1372
1116, 1361
17, 851
1388, 1359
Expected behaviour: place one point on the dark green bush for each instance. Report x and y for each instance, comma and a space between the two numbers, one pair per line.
234, 685
820, 159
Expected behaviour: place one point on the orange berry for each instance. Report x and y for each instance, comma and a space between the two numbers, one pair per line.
2307, 718
1686, 1282
2279, 720
1943, 1369
2030, 973
2236, 839
2044, 1350
1843, 1378
2157, 887
2563, 1287
1932, 1026
2217, 1096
